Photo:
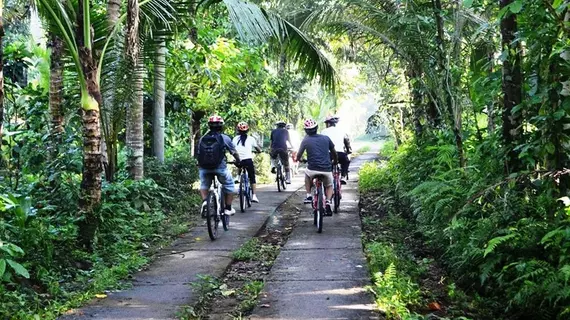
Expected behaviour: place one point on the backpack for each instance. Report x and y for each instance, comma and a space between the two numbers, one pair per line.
211, 151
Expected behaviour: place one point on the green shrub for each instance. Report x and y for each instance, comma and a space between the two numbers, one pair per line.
505, 238
262, 163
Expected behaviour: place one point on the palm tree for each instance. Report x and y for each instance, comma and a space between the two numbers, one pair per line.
134, 134
56, 89
159, 99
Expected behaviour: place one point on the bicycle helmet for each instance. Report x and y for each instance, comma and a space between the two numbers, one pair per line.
215, 122
289, 126
280, 124
310, 124
243, 126
331, 119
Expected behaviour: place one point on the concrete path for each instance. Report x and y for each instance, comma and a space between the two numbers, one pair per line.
160, 290
322, 276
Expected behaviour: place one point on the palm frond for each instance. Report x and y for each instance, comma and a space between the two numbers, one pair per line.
256, 25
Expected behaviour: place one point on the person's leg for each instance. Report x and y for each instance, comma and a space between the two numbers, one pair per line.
205, 182
225, 178
285, 160
250, 167
328, 183
273, 159
308, 184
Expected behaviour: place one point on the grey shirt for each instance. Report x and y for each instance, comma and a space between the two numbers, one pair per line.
318, 152
230, 147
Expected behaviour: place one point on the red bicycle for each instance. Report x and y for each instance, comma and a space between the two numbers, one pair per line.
319, 203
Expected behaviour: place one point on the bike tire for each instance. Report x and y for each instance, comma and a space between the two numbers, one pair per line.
320, 210
225, 218
242, 195
283, 183
249, 193
212, 219
279, 177
336, 197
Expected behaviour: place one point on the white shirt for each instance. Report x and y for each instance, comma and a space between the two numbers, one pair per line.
295, 139
245, 152
337, 137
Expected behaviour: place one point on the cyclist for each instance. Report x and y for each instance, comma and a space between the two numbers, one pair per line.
211, 162
339, 138
279, 139
295, 142
244, 145
320, 150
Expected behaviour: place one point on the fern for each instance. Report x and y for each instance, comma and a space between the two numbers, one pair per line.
493, 243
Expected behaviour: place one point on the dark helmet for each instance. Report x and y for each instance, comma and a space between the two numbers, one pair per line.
280, 124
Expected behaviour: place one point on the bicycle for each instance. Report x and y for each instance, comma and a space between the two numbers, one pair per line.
245, 191
319, 203
337, 193
279, 177
215, 204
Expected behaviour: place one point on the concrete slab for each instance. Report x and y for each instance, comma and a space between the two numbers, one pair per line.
159, 291
320, 264
322, 276
315, 300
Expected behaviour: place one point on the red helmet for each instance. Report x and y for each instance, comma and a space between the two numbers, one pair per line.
242, 126
310, 124
215, 120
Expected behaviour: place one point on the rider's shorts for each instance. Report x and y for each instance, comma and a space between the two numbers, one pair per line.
327, 177
224, 176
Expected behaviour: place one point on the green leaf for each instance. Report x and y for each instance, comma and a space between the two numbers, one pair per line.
2, 267
516, 6
468, 3
18, 268
556, 4
493, 243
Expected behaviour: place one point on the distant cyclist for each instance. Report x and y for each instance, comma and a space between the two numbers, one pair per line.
341, 143
244, 146
279, 139
211, 161
320, 150
295, 143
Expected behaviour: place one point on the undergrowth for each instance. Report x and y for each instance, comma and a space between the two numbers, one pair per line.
505, 240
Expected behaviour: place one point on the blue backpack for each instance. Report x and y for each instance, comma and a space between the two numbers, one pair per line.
211, 151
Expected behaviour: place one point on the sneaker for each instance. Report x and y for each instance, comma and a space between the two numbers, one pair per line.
308, 199
288, 181
273, 170
328, 209
203, 209
343, 182
230, 212
254, 199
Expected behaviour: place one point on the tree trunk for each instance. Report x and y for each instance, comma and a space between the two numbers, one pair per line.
159, 96
113, 12
134, 132
413, 82
56, 90
108, 144
91, 100
1, 71
196, 118
447, 84
512, 89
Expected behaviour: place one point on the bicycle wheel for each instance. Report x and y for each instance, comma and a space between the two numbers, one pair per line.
279, 177
336, 196
320, 209
225, 218
283, 184
242, 193
248, 192
212, 219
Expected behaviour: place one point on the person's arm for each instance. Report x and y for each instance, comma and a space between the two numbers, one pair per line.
333, 152
256, 145
289, 139
232, 148
301, 151
347, 145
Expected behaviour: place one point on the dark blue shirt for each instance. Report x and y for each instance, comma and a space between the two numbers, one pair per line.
279, 138
318, 152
